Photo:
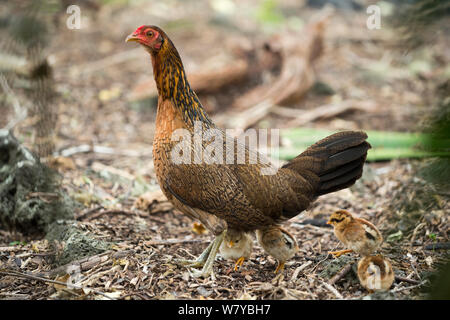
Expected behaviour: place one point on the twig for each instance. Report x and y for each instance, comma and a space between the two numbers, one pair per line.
332, 290
173, 241
338, 276
85, 148
113, 211
438, 246
403, 279
409, 288
328, 110
11, 249
135, 294
23, 275
101, 64
88, 212
87, 263
98, 167
300, 269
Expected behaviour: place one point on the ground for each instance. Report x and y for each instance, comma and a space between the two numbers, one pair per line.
94, 109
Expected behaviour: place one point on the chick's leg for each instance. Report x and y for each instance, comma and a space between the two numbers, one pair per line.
280, 266
339, 253
239, 263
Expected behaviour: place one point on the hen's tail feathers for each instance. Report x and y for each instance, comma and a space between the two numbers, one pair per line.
337, 160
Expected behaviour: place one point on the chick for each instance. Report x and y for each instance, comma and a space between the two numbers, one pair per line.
277, 242
236, 245
375, 273
357, 234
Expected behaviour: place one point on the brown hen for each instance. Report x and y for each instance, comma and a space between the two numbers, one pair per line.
239, 196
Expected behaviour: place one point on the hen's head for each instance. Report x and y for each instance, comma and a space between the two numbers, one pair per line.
151, 37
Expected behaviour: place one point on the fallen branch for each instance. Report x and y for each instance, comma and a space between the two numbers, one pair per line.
300, 269
87, 263
200, 82
409, 288
173, 241
98, 167
85, 148
88, 212
91, 67
297, 73
303, 117
341, 274
70, 286
438, 246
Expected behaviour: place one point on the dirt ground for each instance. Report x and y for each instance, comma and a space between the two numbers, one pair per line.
94, 108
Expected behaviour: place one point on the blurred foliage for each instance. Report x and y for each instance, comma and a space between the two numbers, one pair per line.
438, 139
416, 20
440, 284
269, 13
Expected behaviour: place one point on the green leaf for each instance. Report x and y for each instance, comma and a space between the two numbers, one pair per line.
385, 145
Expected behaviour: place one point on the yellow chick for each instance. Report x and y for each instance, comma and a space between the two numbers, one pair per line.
357, 234
277, 242
375, 273
236, 245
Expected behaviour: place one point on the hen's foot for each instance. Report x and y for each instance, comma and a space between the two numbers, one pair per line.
200, 261
206, 259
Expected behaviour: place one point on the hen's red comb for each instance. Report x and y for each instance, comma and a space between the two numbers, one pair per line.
139, 29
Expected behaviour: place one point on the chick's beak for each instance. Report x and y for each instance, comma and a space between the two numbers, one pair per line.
132, 37
231, 244
328, 222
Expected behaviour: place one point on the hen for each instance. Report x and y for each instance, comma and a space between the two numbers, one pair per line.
229, 194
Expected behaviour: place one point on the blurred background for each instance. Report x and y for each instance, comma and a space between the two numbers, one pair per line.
73, 92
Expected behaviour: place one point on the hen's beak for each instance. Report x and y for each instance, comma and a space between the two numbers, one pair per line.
328, 222
132, 37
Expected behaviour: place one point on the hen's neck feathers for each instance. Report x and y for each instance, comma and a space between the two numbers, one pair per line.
173, 85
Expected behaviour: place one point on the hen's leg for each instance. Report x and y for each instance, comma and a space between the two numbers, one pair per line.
206, 259
208, 266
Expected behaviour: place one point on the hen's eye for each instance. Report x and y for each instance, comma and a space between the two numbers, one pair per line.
149, 34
